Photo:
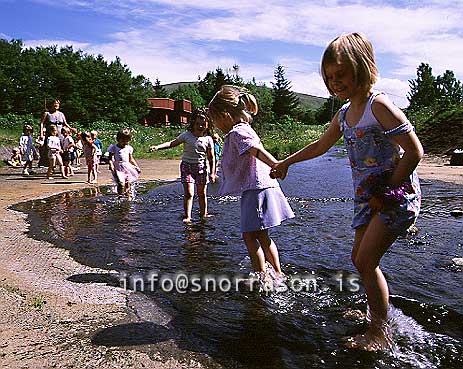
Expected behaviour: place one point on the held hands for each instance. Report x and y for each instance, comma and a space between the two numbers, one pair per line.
279, 170
213, 177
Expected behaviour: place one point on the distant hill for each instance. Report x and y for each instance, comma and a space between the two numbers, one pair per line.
307, 101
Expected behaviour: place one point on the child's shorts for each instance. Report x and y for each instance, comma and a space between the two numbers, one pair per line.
263, 209
194, 173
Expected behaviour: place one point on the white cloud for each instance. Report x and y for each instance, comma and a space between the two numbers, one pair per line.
395, 89
179, 39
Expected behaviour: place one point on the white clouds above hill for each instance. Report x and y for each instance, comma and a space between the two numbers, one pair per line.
178, 40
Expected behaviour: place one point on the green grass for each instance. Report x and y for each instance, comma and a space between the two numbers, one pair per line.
39, 302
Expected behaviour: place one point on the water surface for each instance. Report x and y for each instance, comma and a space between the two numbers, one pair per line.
248, 329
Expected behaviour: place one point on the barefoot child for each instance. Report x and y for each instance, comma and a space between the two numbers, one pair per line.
383, 152
68, 150
246, 167
90, 151
197, 147
122, 164
54, 153
27, 149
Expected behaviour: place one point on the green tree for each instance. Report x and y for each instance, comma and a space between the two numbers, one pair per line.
159, 90
449, 89
265, 117
285, 102
212, 82
188, 92
326, 112
422, 89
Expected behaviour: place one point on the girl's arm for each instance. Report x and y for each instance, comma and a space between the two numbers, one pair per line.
390, 116
212, 163
317, 148
42, 122
110, 161
134, 163
263, 155
165, 145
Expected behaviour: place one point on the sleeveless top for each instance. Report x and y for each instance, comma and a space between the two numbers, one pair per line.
373, 156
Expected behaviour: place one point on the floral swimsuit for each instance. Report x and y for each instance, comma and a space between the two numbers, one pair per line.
373, 156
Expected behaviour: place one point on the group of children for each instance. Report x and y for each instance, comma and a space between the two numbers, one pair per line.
64, 151
61, 150
383, 152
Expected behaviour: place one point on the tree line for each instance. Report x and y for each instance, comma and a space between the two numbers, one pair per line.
93, 89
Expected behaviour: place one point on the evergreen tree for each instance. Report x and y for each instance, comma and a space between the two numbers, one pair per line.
212, 83
326, 112
285, 102
422, 89
449, 89
159, 90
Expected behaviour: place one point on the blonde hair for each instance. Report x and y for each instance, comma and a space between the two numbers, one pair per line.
355, 50
234, 100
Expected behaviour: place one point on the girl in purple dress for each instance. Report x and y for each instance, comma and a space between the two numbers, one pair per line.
122, 164
246, 168
383, 152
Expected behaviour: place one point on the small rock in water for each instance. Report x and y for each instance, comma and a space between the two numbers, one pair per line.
456, 213
458, 261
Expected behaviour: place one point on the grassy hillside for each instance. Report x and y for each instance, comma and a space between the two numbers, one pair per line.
443, 132
307, 101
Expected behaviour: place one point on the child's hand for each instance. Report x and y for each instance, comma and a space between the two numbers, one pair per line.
213, 177
153, 148
279, 170
375, 204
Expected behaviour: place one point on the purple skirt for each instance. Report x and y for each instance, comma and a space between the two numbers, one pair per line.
263, 209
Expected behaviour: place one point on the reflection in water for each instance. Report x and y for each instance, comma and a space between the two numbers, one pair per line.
291, 329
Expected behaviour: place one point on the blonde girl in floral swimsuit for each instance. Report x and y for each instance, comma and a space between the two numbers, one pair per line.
384, 152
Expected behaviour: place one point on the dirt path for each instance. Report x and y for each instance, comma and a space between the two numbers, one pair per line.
48, 321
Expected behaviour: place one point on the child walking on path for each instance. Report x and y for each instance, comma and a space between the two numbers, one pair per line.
245, 168
197, 147
27, 149
383, 152
90, 151
68, 146
54, 153
122, 164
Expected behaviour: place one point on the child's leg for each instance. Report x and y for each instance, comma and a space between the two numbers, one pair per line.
188, 189
371, 242
270, 250
255, 251
51, 166
95, 174
202, 199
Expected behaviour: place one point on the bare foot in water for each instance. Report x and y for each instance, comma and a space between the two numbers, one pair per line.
187, 220
355, 315
377, 338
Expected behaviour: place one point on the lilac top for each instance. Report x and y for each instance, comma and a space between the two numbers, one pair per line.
241, 170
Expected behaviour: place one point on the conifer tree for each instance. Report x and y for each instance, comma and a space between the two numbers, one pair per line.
159, 90
285, 102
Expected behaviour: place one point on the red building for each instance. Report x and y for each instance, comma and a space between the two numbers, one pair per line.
165, 112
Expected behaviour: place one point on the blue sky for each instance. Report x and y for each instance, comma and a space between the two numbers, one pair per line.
179, 40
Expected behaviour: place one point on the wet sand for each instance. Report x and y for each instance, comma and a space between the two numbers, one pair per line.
48, 320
